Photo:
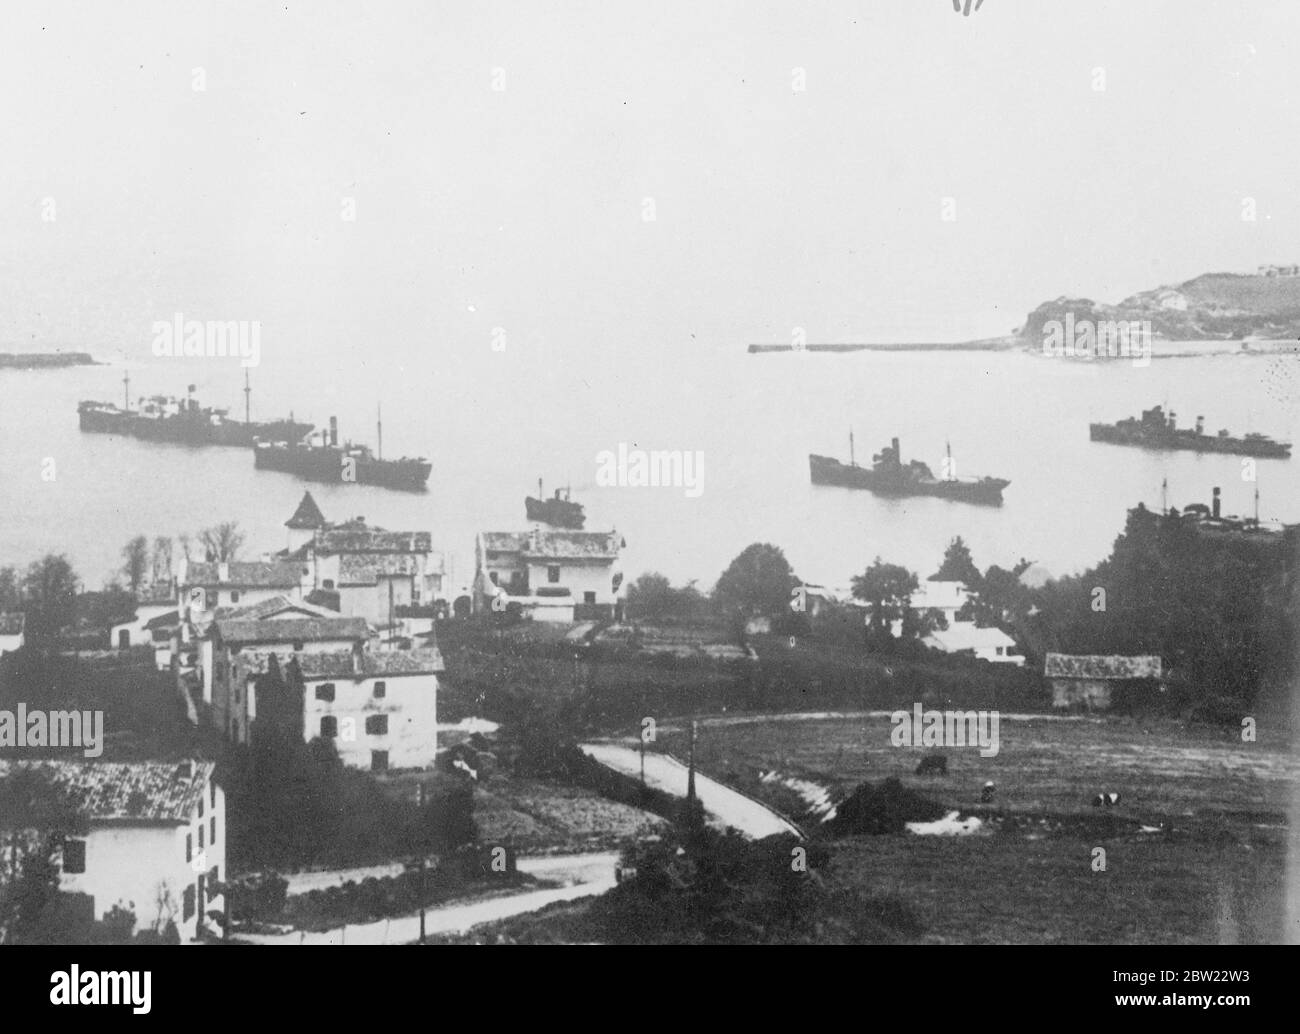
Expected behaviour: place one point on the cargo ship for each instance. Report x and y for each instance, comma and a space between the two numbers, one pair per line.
889, 475
320, 457
1156, 430
559, 511
162, 418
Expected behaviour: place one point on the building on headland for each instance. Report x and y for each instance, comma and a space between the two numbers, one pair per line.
379, 708
12, 626
367, 571
151, 602
155, 840
1092, 682
1272, 271
549, 574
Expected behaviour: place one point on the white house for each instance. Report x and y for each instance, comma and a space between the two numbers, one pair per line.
151, 602
11, 631
155, 841
380, 708
550, 575
203, 587
237, 644
989, 644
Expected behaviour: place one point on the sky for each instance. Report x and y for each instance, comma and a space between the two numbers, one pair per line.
628, 182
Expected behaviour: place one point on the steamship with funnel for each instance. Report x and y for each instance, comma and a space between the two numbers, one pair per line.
889, 475
559, 511
1156, 430
162, 418
320, 457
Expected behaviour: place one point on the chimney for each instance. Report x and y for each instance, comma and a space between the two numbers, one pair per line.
1214, 506
1173, 420
893, 444
334, 430
223, 571
1200, 424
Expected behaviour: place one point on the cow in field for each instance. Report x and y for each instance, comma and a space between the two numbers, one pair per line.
1105, 800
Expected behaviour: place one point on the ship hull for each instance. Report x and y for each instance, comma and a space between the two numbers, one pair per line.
1189, 441
826, 470
555, 512
332, 465
183, 430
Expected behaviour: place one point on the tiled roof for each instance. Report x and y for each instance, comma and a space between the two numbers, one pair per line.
371, 540
288, 630
170, 619
1097, 666
12, 623
265, 609
141, 792
556, 545
252, 574
370, 663
366, 568
307, 515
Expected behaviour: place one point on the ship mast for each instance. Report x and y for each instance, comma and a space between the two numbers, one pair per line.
1164, 495
247, 392
852, 462
126, 390
379, 409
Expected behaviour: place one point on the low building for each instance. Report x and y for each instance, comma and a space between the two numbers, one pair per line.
12, 626
987, 644
204, 587
151, 602
380, 708
550, 575
1091, 682
155, 841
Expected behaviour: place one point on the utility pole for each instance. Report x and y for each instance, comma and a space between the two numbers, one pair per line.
419, 800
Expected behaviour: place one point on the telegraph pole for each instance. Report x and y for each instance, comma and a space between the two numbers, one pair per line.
419, 801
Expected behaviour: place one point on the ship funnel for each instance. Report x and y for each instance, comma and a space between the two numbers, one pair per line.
893, 444
1200, 425
334, 430
1214, 505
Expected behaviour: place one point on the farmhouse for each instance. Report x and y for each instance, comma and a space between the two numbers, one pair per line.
1092, 682
549, 575
988, 644
206, 586
155, 841
12, 625
151, 601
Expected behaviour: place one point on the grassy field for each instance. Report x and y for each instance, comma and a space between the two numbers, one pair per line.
1215, 871
539, 817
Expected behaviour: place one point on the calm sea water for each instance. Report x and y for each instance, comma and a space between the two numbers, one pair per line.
492, 423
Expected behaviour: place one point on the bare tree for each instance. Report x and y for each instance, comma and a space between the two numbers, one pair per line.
222, 542
135, 562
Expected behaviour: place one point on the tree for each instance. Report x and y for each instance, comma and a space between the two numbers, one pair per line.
651, 596
757, 582
10, 596
888, 588
222, 542
161, 560
958, 566
135, 562
50, 587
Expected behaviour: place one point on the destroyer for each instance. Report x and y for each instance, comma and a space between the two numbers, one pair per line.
1155, 430
162, 418
559, 511
889, 475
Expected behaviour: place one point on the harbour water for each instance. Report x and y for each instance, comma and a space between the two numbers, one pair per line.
493, 423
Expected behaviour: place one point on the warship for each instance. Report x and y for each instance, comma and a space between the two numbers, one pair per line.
320, 457
889, 475
1156, 430
163, 418
559, 511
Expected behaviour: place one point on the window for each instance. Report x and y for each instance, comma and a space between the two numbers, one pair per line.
297, 645
553, 573
379, 761
381, 690
202, 886
329, 727
123, 638
328, 583
493, 575
212, 793
234, 597
588, 597
74, 856
200, 807
1001, 650
325, 691
213, 828
189, 903
214, 877
377, 724
189, 846
200, 836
